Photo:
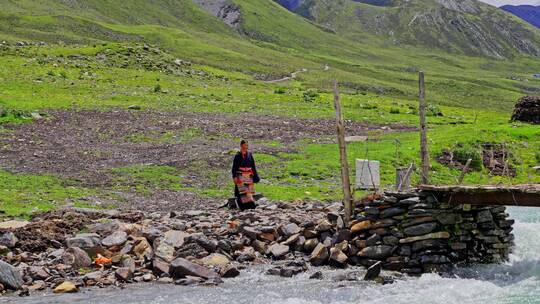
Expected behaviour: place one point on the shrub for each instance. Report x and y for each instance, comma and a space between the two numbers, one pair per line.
310, 95
157, 88
463, 153
537, 156
51, 73
280, 91
394, 111
433, 110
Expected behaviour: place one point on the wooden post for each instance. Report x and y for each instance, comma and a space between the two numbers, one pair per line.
462, 175
403, 178
423, 132
347, 197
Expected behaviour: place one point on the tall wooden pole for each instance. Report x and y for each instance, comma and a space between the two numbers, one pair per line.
423, 131
347, 197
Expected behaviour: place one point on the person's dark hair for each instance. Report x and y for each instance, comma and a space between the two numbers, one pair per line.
243, 141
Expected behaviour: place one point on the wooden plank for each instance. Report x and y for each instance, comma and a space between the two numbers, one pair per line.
495, 199
519, 195
347, 195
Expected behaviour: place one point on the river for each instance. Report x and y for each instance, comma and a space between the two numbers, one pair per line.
517, 281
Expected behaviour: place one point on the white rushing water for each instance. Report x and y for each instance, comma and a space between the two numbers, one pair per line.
517, 281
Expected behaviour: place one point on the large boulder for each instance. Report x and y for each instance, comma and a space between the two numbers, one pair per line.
115, 239
527, 110
278, 250
181, 268
76, 257
319, 255
9, 276
89, 242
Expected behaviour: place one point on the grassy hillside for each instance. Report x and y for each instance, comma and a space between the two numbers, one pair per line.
168, 59
273, 43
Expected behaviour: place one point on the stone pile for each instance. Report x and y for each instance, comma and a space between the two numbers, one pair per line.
527, 110
411, 233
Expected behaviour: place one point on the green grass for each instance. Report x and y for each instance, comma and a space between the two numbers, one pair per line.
146, 178
23, 194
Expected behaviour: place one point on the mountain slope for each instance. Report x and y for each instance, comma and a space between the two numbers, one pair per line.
529, 13
462, 26
261, 40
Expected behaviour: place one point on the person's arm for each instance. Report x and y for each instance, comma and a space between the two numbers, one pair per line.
256, 177
235, 166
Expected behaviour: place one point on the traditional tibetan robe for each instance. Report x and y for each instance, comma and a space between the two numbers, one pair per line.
245, 175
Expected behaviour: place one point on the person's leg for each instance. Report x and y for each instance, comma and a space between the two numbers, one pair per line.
237, 196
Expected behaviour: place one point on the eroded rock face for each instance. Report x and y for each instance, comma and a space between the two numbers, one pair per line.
223, 9
527, 110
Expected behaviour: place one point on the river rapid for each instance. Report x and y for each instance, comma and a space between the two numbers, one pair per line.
517, 281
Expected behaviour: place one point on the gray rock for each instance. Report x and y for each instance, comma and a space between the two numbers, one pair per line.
84, 241
409, 201
310, 244
484, 216
160, 267
449, 218
434, 259
229, 272
390, 240
290, 229
316, 275
181, 268
390, 212
278, 250
319, 255
425, 244
371, 210
175, 238
151, 233
116, 239
378, 252
8, 239
259, 246
250, 232
337, 257
164, 250
373, 271
289, 272
421, 229
124, 274
373, 240
106, 228
76, 257
37, 272
10, 276
323, 225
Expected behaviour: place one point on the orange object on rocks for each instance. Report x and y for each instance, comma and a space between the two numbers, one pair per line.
101, 260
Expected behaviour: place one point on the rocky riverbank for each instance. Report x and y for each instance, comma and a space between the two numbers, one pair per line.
412, 233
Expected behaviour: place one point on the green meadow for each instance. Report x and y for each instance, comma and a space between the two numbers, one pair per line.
226, 72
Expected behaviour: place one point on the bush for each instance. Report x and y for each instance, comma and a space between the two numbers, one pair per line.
433, 110
157, 88
310, 95
463, 153
51, 73
280, 91
394, 111
537, 156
